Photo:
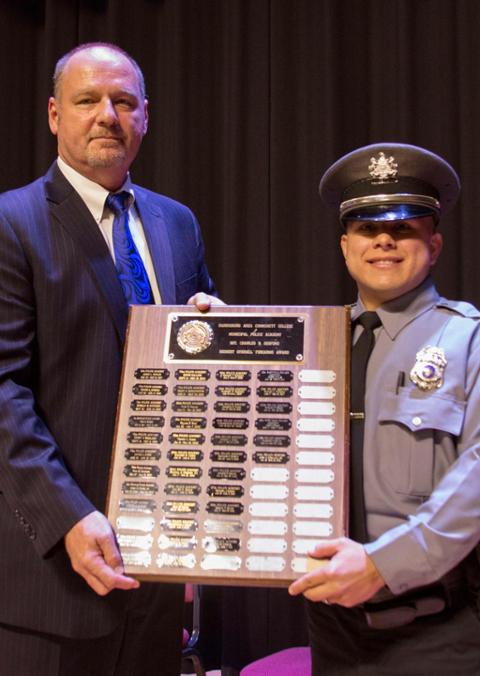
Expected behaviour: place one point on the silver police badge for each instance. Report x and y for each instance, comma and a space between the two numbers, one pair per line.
427, 374
195, 336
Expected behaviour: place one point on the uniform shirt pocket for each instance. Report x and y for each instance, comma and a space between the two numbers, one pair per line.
411, 424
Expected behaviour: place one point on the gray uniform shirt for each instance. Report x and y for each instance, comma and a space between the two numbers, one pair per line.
422, 447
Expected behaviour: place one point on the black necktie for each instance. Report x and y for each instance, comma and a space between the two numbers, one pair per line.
130, 268
360, 356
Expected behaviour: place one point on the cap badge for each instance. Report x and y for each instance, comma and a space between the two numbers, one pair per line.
427, 374
383, 168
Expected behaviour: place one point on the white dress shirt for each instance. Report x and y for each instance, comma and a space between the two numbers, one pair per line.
94, 196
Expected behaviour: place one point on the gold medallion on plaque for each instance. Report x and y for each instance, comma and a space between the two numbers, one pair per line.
195, 336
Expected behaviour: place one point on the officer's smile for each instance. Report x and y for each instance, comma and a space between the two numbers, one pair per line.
385, 263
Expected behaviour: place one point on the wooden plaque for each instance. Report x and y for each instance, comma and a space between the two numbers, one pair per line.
229, 459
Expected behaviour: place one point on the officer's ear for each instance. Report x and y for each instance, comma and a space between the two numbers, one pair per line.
435, 246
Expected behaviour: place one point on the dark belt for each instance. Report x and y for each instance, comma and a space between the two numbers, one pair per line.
405, 609
450, 593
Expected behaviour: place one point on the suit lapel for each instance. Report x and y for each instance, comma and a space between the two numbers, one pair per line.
70, 211
155, 229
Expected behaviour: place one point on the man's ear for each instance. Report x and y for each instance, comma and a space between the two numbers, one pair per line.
145, 122
53, 115
436, 246
344, 244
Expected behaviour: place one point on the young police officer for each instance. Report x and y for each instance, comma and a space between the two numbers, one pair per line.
397, 597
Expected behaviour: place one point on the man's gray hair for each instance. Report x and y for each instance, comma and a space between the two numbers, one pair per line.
63, 61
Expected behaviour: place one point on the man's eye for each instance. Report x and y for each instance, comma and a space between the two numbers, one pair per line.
367, 228
124, 103
401, 228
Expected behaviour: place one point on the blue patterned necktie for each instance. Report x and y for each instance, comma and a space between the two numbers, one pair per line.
130, 269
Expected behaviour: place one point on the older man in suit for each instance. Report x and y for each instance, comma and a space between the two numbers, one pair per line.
66, 605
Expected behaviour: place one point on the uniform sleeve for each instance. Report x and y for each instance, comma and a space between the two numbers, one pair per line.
446, 527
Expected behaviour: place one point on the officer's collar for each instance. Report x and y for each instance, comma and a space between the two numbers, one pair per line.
397, 313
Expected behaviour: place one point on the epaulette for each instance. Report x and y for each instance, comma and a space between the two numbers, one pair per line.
460, 307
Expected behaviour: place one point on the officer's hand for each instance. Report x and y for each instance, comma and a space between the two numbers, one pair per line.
94, 555
203, 301
347, 576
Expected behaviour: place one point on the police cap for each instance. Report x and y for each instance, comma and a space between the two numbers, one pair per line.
390, 181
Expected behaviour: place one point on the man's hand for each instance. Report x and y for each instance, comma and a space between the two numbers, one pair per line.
203, 301
94, 555
348, 577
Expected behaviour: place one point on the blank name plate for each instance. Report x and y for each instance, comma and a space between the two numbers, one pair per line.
229, 459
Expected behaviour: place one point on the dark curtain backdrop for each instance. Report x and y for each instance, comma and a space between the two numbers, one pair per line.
251, 100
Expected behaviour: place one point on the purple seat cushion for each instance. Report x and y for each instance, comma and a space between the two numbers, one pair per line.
290, 662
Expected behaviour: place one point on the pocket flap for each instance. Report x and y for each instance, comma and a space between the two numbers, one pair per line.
426, 410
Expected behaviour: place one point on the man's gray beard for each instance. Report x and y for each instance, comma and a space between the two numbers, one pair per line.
105, 158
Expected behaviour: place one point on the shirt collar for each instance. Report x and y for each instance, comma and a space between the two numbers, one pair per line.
397, 313
93, 194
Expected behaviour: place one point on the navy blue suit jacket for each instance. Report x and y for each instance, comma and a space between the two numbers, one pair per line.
62, 324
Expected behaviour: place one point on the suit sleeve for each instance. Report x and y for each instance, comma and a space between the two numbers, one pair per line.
205, 282
188, 250
38, 490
